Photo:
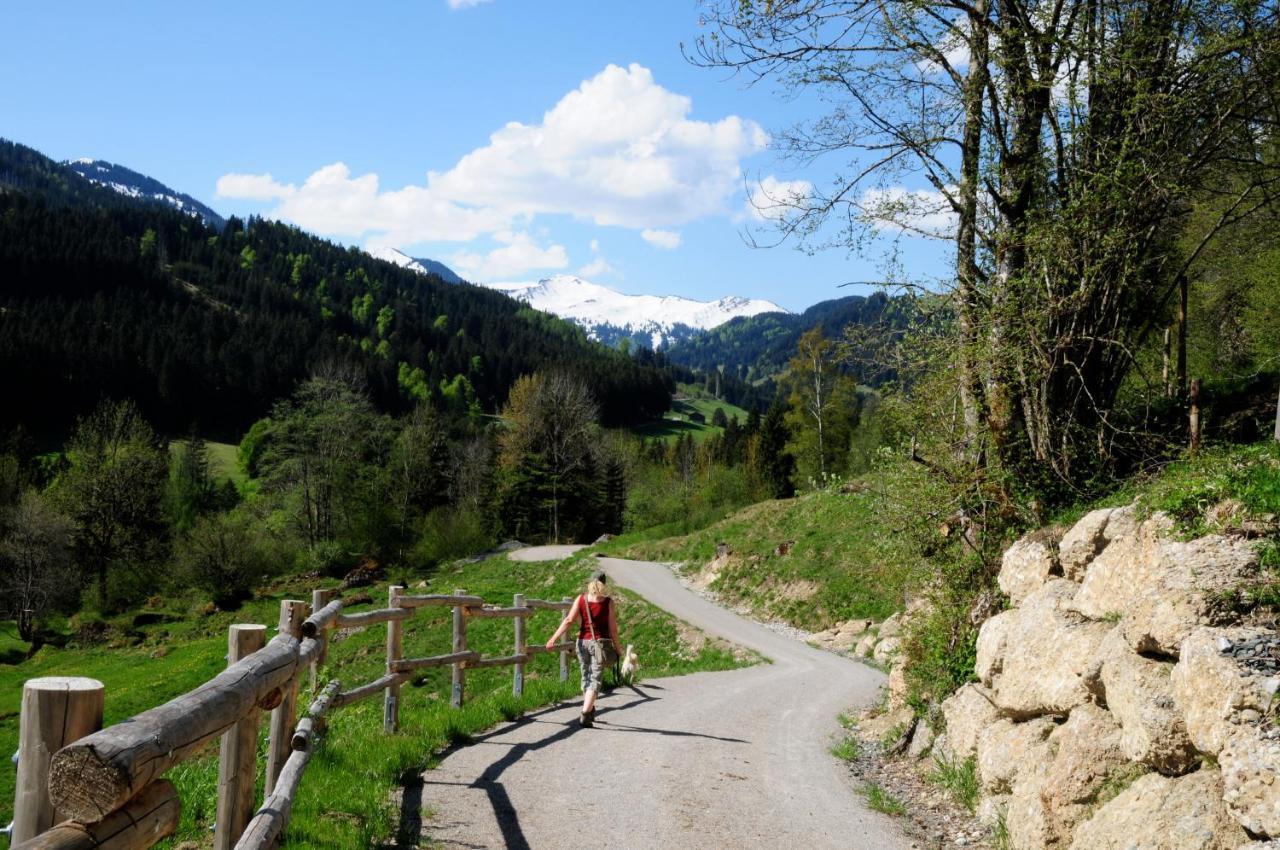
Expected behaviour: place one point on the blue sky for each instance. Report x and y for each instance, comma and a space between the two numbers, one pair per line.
512, 139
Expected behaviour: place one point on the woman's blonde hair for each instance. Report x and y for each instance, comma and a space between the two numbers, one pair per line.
596, 587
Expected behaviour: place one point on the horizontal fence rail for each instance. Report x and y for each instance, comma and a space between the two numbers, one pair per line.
108, 782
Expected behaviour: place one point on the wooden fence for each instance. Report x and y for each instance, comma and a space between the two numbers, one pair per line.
108, 784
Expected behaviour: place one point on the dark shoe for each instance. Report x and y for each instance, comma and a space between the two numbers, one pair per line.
586, 718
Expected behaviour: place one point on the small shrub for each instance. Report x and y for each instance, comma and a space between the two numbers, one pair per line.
880, 800
960, 779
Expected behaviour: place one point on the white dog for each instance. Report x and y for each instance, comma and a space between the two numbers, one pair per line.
630, 664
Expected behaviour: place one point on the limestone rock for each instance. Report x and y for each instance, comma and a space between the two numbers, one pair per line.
841, 637
1179, 591
1027, 565
1047, 652
1250, 762
991, 646
1087, 753
865, 646
991, 809
1159, 588
967, 712
1005, 748
1115, 576
897, 686
1213, 691
1049, 800
891, 627
886, 649
1025, 818
922, 740
886, 724
1160, 813
1082, 543
1139, 694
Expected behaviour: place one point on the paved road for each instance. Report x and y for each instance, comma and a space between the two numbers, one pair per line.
711, 760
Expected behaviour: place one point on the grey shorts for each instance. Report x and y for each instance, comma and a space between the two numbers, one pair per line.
591, 659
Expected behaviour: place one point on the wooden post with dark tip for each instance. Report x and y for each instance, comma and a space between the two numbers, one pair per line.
238, 754
319, 599
564, 653
283, 716
56, 710
517, 680
395, 651
459, 645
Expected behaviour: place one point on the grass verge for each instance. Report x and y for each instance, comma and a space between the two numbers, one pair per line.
880, 800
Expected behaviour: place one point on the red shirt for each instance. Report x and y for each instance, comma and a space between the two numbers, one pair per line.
599, 618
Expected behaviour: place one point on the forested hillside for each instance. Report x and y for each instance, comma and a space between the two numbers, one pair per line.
757, 348
107, 297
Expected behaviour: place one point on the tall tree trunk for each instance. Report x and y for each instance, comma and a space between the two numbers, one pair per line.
1182, 336
972, 400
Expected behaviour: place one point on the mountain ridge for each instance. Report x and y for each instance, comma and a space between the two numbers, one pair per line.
133, 184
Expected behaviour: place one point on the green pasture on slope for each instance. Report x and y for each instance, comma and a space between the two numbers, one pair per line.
677, 422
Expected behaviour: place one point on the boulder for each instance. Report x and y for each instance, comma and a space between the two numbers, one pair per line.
1160, 589
865, 646
991, 646
1025, 820
1050, 799
1139, 694
886, 725
1114, 577
922, 740
891, 627
1160, 813
1086, 753
1005, 748
886, 649
991, 810
967, 712
1047, 652
1214, 691
842, 637
1082, 542
1250, 762
1027, 565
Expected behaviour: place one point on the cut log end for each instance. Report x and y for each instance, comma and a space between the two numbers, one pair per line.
84, 786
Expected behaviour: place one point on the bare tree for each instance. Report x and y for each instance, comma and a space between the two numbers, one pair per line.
36, 568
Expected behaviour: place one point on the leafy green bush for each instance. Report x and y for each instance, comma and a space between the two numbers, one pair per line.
225, 555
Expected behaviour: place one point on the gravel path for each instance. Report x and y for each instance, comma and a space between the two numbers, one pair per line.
721, 760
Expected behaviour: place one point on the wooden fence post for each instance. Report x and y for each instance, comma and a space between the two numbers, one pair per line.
319, 599
564, 654
56, 710
395, 647
283, 716
459, 645
238, 753
517, 681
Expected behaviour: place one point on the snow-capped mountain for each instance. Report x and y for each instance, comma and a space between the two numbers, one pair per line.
608, 315
421, 265
140, 186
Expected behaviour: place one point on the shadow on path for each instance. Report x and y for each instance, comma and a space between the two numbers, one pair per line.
409, 828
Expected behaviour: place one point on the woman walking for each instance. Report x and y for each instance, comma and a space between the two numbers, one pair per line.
597, 639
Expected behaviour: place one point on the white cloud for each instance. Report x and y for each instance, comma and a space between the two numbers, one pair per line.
597, 268
772, 199
466, 4
252, 187
595, 246
619, 150
518, 255
667, 240
920, 212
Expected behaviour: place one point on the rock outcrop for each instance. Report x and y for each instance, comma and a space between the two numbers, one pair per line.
1120, 703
